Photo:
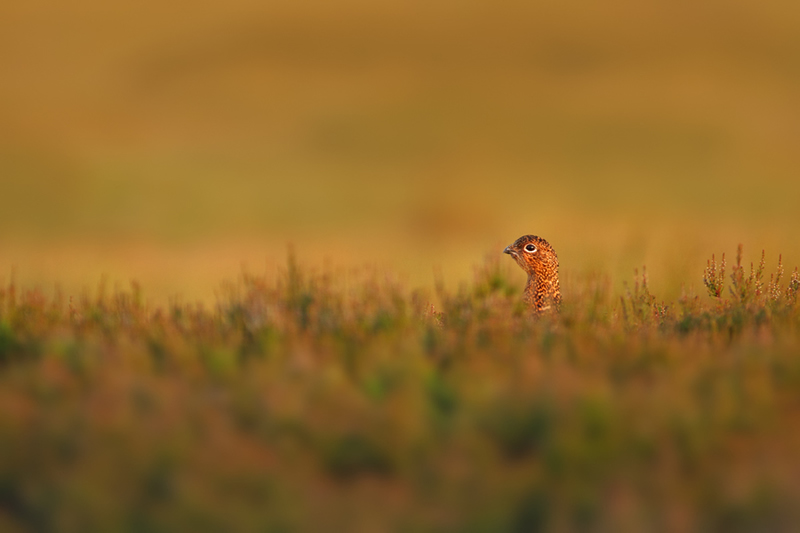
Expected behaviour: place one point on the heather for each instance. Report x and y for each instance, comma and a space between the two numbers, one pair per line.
332, 400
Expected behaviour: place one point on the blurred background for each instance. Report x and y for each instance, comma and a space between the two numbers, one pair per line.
175, 143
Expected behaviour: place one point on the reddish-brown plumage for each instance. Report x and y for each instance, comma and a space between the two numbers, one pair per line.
538, 259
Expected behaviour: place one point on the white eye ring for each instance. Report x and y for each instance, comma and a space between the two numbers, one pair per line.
530, 248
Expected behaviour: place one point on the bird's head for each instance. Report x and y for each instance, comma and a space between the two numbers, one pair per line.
534, 255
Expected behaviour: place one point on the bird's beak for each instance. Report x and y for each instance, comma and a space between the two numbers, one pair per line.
508, 251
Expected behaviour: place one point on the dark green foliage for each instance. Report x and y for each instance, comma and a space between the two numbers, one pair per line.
353, 455
532, 512
520, 429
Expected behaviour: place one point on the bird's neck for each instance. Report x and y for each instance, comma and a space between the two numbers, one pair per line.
541, 291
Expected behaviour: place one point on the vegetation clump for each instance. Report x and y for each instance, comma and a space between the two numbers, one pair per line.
324, 402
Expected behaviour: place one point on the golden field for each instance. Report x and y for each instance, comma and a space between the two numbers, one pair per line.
172, 143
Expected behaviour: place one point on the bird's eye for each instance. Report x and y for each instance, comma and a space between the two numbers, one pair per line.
530, 248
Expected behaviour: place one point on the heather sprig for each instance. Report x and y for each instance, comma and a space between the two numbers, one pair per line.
714, 276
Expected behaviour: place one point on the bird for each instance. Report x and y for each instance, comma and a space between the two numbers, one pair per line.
539, 260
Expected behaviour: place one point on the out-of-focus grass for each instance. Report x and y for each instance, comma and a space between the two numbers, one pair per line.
321, 400
408, 134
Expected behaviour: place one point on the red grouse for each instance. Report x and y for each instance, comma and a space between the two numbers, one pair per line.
538, 259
